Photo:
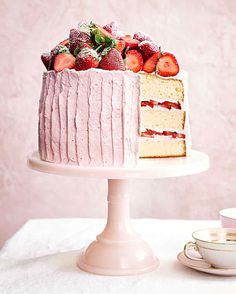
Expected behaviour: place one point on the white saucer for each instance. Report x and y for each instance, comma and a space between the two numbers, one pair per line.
202, 266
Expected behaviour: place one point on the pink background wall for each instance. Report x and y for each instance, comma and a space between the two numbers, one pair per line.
202, 34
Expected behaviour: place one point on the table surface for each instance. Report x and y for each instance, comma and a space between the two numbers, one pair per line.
41, 258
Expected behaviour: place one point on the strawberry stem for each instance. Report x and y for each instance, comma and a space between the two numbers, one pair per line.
100, 46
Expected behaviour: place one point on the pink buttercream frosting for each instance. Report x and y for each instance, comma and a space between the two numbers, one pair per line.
90, 118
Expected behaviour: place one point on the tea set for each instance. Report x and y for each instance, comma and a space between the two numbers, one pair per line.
213, 250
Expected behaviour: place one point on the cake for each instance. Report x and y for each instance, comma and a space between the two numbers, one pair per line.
109, 99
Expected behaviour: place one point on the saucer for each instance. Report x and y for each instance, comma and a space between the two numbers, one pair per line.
203, 266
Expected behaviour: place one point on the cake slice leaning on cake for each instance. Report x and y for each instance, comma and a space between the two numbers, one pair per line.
108, 99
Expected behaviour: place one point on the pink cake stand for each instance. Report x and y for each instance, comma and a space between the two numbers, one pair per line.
119, 250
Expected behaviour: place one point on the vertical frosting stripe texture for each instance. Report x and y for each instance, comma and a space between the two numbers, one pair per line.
81, 119
90, 118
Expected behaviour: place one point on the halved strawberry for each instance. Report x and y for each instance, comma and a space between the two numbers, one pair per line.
87, 58
167, 65
170, 105
120, 45
150, 133
144, 103
134, 60
112, 61
180, 136
147, 49
151, 63
153, 103
64, 42
173, 134
130, 42
147, 134
64, 60
167, 133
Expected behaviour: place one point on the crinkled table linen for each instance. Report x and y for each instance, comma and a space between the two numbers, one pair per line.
41, 258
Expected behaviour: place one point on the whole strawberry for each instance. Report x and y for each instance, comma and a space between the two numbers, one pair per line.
87, 58
76, 38
112, 61
59, 49
112, 28
141, 37
147, 49
46, 57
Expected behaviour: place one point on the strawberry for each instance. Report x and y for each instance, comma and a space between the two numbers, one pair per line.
134, 60
120, 45
87, 58
76, 38
146, 134
46, 58
59, 49
144, 103
80, 47
142, 37
64, 60
170, 105
180, 136
173, 134
150, 133
112, 28
167, 133
112, 61
104, 31
153, 103
167, 65
130, 42
64, 42
147, 49
151, 63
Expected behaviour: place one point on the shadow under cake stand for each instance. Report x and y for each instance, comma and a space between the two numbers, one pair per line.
119, 250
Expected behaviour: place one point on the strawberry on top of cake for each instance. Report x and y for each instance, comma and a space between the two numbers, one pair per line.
93, 46
109, 98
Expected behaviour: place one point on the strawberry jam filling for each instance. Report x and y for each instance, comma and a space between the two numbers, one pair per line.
151, 134
165, 104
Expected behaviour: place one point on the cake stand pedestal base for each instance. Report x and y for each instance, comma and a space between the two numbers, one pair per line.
118, 250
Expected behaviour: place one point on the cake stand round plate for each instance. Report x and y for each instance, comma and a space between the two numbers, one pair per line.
119, 250
149, 168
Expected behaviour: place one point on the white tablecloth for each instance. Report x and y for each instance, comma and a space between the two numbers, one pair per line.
41, 258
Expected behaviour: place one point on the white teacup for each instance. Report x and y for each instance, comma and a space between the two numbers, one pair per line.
215, 246
228, 217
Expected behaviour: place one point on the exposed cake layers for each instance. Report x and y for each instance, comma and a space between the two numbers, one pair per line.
90, 117
164, 116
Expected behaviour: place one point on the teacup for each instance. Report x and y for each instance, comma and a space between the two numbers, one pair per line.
228, 217
215, 246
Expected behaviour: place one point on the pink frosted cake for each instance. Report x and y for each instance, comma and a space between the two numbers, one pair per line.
108, 99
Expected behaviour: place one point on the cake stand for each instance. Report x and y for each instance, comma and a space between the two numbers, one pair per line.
119, 250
